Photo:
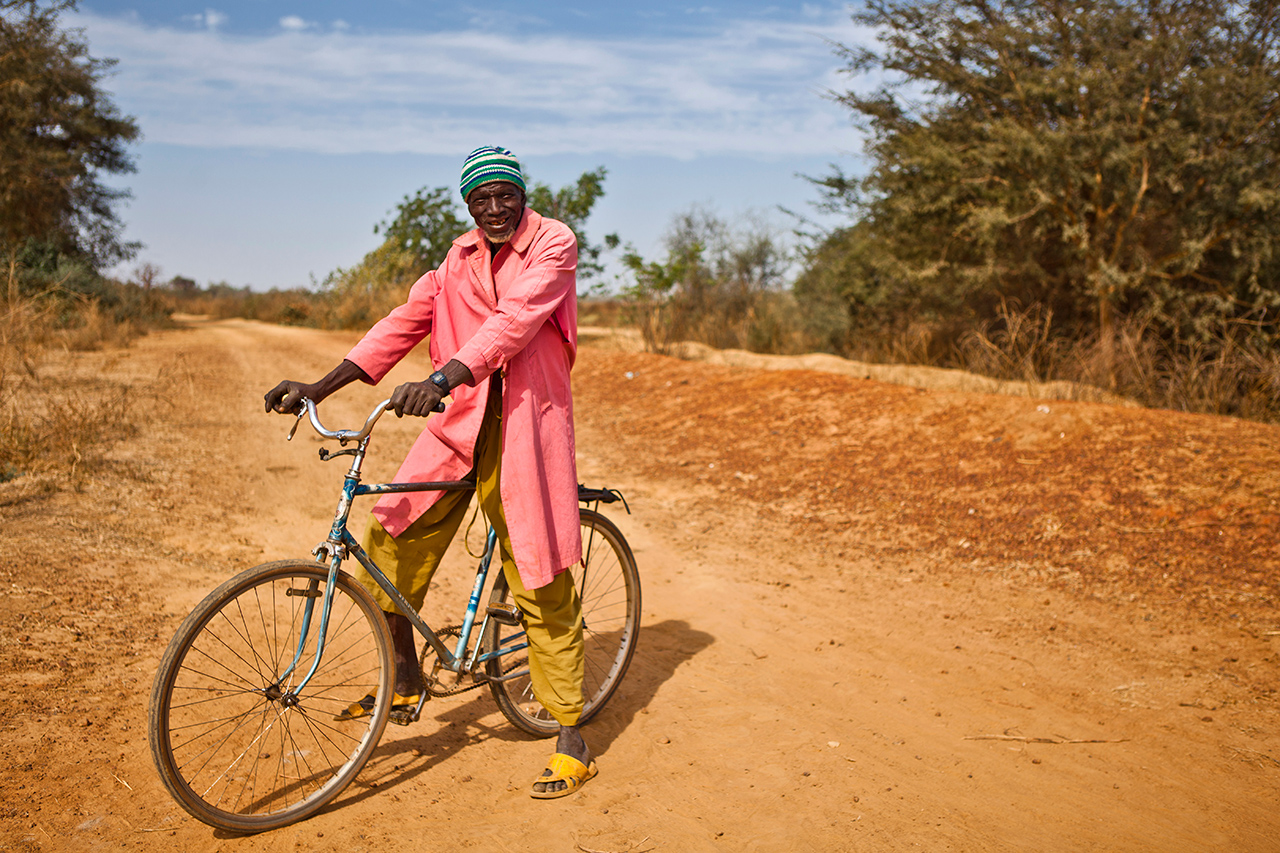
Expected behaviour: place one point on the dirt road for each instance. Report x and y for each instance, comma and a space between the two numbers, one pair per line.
876, 618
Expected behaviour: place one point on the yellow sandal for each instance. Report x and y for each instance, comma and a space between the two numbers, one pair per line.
567, 769
401, 706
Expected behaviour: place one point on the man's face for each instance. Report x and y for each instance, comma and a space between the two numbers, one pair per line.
496, 208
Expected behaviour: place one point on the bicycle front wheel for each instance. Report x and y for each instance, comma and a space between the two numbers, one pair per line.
236, 743
609, 586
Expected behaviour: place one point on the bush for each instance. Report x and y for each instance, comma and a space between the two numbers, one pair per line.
719, 285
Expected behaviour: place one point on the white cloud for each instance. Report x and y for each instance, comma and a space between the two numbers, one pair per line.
753, 87
210, 18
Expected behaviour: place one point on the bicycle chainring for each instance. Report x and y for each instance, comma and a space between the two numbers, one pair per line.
427, 664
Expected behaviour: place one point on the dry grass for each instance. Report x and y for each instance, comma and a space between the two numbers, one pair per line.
1230, 371
54, 425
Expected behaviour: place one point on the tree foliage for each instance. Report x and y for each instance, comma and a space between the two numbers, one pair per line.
572, 204
1098, 158
417, 238
59, 135
425, 226
719, 285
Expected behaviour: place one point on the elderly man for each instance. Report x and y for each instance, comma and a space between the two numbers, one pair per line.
501, 315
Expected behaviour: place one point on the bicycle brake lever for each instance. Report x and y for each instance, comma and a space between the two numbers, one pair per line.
289, 437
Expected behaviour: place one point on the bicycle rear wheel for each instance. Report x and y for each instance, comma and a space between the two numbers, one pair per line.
235, 745
609, 586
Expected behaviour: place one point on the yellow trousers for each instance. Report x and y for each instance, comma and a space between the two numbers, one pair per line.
553, 613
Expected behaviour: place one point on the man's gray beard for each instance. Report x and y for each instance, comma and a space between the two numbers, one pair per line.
498, 241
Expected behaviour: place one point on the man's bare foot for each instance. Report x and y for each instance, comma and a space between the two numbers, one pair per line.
569, 743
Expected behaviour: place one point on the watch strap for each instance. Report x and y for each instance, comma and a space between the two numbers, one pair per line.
438, 379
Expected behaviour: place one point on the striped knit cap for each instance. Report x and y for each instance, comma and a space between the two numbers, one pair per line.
487, 164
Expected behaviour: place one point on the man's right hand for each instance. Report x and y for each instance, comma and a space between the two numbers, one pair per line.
286, 397
417, 399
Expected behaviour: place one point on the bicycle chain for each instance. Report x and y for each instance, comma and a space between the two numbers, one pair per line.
468, 682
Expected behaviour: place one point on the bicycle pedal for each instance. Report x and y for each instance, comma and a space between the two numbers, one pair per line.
507, 614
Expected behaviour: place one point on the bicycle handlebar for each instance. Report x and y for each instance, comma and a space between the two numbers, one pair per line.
343, 435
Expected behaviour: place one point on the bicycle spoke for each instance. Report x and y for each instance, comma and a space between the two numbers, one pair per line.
250, 777
230, 686
215, 636
258, 661
230, 766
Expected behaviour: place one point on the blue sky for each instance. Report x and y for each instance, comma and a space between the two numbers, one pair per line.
276, 134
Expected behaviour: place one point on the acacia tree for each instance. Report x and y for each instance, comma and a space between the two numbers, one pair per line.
59, 134
426, 223
417, 238
425, 226
1095, 157
572, 204
720, 285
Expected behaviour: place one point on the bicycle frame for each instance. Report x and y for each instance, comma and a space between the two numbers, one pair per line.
340, 544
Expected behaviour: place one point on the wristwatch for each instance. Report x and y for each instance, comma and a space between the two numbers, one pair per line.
438, 379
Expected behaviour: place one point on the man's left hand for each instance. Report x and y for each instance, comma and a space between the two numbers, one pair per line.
418, 399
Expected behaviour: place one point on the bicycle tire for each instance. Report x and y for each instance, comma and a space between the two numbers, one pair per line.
609, 586
232, 745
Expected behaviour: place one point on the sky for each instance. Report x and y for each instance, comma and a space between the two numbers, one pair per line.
277, 134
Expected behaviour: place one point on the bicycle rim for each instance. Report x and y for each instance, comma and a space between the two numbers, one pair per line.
609, 586
234, 744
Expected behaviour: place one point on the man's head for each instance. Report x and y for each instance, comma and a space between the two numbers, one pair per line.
494, 190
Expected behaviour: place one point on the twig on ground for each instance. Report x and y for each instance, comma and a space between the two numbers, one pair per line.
630, 848
1254, 753
122, 782
1021, 739
35, 747
1172, 527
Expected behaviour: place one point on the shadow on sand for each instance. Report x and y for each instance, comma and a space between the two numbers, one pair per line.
661, 648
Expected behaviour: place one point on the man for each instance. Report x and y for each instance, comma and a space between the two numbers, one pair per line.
501, 314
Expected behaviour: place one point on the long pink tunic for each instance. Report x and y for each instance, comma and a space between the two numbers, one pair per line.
517, 314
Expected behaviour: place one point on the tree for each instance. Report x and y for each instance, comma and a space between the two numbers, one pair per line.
59, 134
572, 205
843, 295
427, 222
719, 285
1094, 157
425, 226
417, 239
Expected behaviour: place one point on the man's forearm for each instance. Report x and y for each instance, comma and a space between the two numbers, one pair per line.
342, 375
457, 374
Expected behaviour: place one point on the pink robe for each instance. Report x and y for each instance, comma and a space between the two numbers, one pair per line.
522, 319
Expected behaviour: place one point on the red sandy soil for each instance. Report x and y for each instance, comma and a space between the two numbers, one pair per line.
876, 617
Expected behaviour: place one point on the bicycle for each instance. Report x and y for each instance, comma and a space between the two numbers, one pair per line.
242, 724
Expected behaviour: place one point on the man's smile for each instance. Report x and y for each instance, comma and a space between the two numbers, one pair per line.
497, 208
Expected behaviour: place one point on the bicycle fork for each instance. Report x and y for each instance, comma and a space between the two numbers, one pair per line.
335, 549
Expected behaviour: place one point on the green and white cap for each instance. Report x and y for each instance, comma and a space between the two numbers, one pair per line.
487, 164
